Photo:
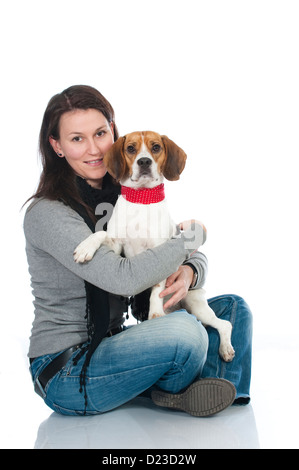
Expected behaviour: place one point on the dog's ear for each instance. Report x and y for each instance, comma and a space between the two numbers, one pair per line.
114, 160
175, 160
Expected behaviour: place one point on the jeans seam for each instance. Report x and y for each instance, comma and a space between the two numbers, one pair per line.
130, 371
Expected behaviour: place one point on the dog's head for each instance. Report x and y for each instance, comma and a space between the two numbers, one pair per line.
142, 159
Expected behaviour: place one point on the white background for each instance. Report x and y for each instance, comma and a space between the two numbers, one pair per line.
220, 78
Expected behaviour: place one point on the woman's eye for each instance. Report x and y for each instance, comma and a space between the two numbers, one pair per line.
77, 139
131, 149
100, 133
156, 148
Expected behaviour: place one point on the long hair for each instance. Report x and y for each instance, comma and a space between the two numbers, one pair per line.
57, 179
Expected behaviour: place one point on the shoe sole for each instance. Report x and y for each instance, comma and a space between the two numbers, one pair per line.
203, 398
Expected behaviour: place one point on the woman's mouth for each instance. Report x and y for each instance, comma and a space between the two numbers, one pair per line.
96, 162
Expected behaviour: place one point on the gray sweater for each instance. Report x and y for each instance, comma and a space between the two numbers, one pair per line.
52, 231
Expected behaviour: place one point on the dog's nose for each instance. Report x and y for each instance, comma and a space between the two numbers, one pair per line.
144, 162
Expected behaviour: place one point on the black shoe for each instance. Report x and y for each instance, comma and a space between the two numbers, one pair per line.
202, 398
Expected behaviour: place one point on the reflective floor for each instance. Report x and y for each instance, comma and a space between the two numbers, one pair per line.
270, 421
142, 425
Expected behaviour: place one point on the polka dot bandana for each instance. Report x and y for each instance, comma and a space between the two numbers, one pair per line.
144, 195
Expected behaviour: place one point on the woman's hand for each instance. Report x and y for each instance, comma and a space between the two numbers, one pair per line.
187, 224
177, 284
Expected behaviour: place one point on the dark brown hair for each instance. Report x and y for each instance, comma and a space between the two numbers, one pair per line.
57, 180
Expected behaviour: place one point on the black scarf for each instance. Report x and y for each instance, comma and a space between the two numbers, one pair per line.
97, 300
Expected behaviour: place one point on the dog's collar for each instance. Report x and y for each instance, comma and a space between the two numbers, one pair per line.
144, 195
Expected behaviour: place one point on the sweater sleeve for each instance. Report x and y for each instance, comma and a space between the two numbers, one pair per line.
200, 263
54, 228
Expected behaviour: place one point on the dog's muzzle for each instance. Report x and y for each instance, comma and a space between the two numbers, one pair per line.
144, 164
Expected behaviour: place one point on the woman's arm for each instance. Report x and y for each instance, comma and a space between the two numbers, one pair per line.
56, 229
199, 261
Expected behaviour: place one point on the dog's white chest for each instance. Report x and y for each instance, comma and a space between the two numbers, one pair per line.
140, 226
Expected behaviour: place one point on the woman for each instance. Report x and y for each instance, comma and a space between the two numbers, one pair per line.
82, 359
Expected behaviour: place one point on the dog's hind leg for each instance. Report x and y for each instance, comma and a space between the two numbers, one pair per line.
156, 303
195, 302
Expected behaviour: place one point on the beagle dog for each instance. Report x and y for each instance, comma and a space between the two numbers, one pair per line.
140, 161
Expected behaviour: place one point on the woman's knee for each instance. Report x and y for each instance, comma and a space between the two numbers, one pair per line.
187, 333
188, 345
232, 306
243, 312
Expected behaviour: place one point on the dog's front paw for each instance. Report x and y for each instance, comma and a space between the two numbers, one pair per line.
227, 352
82, 254
85, 251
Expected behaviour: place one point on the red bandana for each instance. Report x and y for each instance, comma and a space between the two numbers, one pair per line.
143, 195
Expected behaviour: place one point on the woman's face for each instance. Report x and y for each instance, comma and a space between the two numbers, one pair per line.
85, 137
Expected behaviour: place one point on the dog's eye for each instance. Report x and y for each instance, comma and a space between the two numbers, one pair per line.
156, 148
131, 149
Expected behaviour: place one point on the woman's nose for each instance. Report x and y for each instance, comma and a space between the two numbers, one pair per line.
92, 147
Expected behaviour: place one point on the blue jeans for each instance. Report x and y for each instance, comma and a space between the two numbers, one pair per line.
169, 352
